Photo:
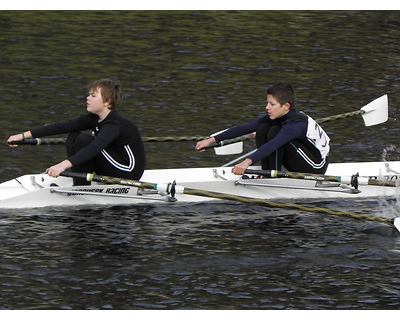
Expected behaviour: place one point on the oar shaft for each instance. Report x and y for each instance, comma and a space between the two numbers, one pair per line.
294, 175
48, 141
164, 139
340, 116
114, 180
382, 183
354, 180
267, 203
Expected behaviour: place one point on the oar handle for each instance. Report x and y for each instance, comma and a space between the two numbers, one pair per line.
38, 141
212, 145
229, 141
32, 142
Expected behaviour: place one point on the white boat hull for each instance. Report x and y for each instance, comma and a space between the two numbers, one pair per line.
40, 190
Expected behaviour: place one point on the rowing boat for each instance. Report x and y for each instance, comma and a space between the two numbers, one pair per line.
191, 185
39, 190
374, 180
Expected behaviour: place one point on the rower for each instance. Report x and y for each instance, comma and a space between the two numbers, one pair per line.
284, 137
114, 148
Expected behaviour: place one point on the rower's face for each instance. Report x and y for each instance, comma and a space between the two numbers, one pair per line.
94, 101
274, 109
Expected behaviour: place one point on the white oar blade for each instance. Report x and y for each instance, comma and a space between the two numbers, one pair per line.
396, 223
376, 112
233, 148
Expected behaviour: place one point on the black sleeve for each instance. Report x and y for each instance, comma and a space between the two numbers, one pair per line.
239, 130
81, 123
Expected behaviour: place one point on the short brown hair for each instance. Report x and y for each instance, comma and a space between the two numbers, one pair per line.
283, 93
110, 91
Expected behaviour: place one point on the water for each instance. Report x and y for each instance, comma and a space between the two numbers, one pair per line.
194, 257
194, 73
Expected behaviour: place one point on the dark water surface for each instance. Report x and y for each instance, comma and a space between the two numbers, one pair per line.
194, 73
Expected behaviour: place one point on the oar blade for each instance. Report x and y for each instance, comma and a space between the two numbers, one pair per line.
376, 111
396, 223
233, 148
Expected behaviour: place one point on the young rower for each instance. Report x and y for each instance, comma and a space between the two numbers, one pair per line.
284, 136
114, 148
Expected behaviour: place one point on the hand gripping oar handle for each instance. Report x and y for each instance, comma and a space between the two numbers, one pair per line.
38, 141
229, 141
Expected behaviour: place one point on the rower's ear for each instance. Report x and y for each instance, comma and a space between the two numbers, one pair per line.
287, 106
108, 104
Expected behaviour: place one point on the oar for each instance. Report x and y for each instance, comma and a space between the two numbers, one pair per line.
49, 141
373, 113
230, 141
353, 180
39, 141
172, 189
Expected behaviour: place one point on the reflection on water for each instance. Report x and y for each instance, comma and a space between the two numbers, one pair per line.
194, 73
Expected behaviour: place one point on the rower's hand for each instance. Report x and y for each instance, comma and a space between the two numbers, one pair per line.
18, 137
240, 168
57, 169
204, 143
15, 137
